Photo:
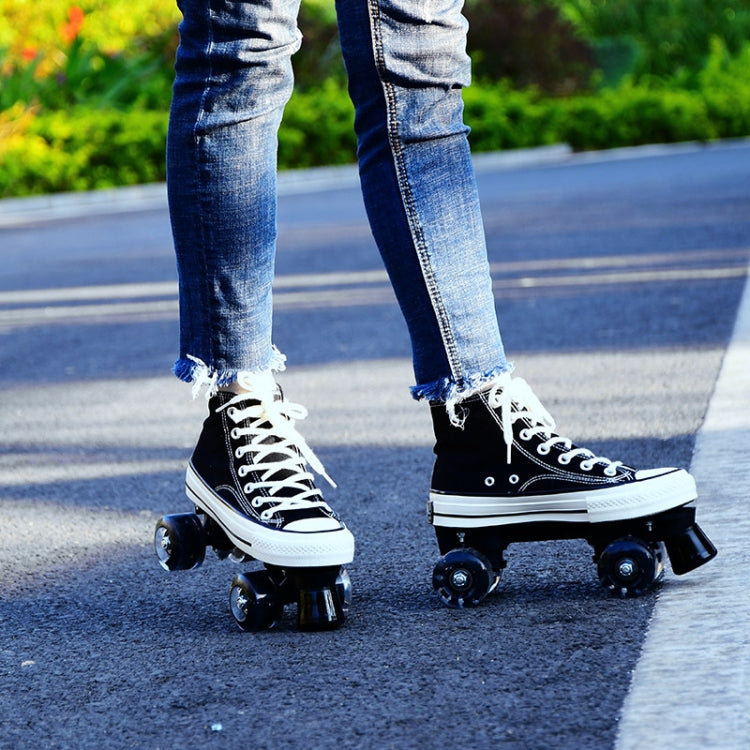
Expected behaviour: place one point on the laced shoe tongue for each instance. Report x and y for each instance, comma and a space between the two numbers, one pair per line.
279, 428
541, 428
517, 398
283, 473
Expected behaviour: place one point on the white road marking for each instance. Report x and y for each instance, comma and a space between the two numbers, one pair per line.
690, 689
29, 307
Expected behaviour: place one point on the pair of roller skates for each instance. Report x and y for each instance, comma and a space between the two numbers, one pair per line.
502, 475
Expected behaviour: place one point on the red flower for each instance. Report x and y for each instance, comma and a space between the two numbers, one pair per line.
28, 54
72, 28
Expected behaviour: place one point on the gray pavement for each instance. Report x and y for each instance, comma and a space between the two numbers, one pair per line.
618, 279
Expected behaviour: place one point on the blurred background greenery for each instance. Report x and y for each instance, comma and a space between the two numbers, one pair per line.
86, 87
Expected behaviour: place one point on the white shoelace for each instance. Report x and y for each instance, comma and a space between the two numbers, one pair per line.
516, 400
276, 419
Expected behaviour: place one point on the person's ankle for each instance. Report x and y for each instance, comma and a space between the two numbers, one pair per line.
259, 383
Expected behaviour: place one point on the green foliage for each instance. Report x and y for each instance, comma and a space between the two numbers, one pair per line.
319, 58
81, 108
661, 38
87, 75
81, 149
633, 116
503, 118
318, 128
86, 149
109, 53
725, 85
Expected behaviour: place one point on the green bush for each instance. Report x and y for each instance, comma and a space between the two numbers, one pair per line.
82, 150
662, 38
318, 128
503, 118
725, 83
77, 70
86, 148
632, 116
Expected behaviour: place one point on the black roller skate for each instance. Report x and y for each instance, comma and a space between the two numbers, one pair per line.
502, 475
255, 499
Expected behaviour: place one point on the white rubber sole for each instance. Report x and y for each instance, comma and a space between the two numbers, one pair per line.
289, 549
653, 494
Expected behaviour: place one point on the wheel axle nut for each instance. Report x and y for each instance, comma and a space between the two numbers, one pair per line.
626, 568
459, 578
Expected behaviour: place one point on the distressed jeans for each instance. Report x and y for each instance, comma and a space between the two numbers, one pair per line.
406, 63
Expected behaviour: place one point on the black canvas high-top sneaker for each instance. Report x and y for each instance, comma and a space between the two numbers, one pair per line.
500, 461
249, 473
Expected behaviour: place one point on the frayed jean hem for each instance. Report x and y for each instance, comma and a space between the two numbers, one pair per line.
190, 369
448, 391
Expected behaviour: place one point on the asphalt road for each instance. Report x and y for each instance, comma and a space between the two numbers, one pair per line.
618, 278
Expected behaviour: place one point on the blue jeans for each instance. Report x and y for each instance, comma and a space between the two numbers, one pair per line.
407, 64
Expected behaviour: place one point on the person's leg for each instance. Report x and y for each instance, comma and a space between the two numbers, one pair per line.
496, 447
249, 468
407, 64
233, 78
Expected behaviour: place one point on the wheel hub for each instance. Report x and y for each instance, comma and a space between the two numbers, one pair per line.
460, 579
627, 569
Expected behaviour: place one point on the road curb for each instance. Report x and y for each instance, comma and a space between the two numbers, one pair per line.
18, 211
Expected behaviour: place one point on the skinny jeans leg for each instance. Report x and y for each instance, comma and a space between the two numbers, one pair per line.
407, 65
233, 79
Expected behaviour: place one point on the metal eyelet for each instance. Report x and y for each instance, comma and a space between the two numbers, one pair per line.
489, 482
563, 459
542, 449
586, 466
514, 479
525, 434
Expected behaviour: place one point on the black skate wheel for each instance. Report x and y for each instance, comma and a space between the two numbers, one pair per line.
463, 577
629, 567
255, 601
180, 541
